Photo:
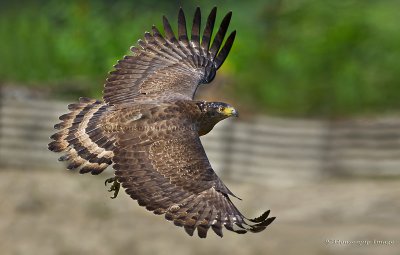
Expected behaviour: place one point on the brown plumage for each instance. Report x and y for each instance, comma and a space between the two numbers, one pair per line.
148, 127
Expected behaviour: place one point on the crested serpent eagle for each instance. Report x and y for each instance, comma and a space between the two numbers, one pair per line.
148, 127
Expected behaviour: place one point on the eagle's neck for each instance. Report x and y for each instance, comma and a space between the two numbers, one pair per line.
206, 124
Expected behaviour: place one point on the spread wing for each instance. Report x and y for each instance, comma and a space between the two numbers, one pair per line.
167, 171
166, 66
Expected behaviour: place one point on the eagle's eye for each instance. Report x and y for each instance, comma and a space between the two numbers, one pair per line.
221, 109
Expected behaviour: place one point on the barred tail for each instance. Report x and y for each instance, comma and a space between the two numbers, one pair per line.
83, 140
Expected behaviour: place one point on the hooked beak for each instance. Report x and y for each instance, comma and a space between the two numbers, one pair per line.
235, 113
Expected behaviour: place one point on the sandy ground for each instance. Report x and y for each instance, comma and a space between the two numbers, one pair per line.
56, 212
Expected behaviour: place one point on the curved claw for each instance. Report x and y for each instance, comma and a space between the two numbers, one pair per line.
109, 180
115, 192
114, 187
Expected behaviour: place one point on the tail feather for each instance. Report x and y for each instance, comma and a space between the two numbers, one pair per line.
83, 140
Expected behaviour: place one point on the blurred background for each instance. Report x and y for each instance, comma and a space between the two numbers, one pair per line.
318, 142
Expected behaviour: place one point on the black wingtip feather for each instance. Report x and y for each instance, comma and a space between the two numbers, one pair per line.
261, 226
157, 34
148, 37
65, 116
195, 37
219, 37
261, 218
202, 231
169, 33
219, 60
73, 165
64, 157
218, 230
182, 33
55, 146
56, 136
189, 230
205, 42
270, 220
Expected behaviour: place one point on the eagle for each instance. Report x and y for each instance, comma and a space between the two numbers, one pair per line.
148, 126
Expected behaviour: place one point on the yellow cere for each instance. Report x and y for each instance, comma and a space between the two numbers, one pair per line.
228, 111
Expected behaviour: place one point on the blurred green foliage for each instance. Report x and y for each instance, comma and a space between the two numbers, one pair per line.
299, 58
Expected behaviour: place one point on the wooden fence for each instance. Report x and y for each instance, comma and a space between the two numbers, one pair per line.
262, 150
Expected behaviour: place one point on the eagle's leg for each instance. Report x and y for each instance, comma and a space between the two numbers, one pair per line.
114, 187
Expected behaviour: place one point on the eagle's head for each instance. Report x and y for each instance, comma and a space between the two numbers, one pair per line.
218, 110
214, 112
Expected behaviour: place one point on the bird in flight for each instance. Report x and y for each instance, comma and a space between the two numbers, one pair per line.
148, 127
